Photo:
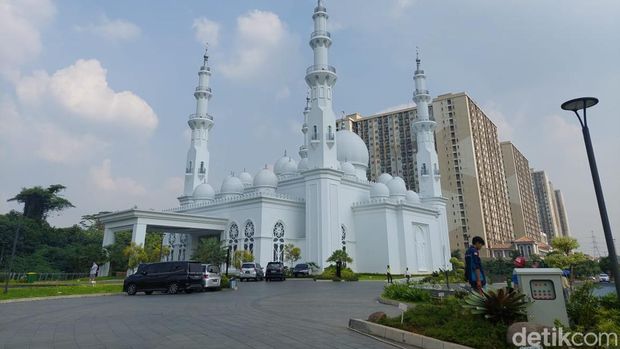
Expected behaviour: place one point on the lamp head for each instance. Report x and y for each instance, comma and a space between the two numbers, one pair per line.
579, 103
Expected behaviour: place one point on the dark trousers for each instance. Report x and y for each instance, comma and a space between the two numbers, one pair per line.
389, 278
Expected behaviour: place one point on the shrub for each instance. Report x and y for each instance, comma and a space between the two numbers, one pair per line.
582, 307
224, 282
329, 273
407, 293
503, 305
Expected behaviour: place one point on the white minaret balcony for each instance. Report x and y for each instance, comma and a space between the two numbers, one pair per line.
205, 116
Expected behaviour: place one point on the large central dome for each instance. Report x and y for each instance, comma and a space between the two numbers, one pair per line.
351, 148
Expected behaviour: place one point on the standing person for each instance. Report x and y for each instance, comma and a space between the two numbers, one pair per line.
407, 275
93, 273
389, 274
473, 265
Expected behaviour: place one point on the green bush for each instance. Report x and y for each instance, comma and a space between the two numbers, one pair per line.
407, 293
503, 305
329, 273
225, 282
582, 307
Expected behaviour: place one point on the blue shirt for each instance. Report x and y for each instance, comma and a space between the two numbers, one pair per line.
473, 262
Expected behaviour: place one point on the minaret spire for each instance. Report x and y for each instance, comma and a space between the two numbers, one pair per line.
197, 164
428, 163
321, 78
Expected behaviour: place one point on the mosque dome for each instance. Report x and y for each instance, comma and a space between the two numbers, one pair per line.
285, 165
232, 185
384, 178
246, 179
204, 191
379, 190
412, 197
348, 169
265, 178
397, 187
303, 164
351, 148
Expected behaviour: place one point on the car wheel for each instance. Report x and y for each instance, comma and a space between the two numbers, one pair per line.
148, 292
132, 289
173, 288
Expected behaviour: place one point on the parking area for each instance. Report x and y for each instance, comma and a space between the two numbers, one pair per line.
289, 314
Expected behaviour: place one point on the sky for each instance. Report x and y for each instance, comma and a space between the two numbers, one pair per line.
96, 95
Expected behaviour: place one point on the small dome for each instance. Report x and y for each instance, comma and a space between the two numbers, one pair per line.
412, 197
232, 185
246, 179
265, 178
285, 165
385, 178
204, 192
348, 168
379, 190
303, 164
397, 187
351, 148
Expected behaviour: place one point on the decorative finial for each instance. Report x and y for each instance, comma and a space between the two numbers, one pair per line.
319, 3
206, 55
284, 152
417, 57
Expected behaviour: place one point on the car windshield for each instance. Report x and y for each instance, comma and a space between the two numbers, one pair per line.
195, 268
248, 266
210, 269
301, 266
274, 265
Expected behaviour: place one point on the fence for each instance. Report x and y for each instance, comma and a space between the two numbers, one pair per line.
44, 276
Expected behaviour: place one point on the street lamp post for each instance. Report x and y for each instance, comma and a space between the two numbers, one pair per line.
576, 105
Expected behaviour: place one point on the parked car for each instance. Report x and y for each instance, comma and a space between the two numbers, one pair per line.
211, 276
302, 269
169, 277
252, 271
603, 277
275, 270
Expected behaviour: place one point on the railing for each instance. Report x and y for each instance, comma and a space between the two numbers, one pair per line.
202, 88
320, 67
320, 33
21, 276
421, 92
198, 116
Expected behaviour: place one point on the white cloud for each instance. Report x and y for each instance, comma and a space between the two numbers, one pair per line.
58, 146
505, 128
206, 31
174, 185
20, 22
102, 178
82, 90
262, 41
113, 30
283, 93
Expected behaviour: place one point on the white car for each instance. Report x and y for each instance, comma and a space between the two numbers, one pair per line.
603, 277
211, 276
251, 271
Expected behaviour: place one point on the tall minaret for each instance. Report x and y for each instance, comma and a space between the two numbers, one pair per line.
303, 150
321, 78
197, 165
428, 164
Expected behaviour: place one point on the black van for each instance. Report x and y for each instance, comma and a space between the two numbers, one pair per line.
169, 277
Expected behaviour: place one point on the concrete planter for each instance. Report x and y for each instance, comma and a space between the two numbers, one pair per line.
401, 336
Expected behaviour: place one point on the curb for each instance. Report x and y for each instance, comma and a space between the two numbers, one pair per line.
388, 301
400, 336
33, 299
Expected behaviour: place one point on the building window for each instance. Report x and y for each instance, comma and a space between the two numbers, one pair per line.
278, 242
344, 237
233, 237
202, 167
248, 242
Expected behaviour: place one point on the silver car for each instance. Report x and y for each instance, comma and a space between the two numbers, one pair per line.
251, 271
211, 276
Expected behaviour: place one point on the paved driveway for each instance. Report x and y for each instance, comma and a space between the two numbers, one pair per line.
290, 314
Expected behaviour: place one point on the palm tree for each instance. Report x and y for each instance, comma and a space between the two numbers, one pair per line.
38, 202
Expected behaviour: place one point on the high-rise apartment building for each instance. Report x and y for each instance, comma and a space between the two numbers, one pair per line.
470, 163
521, 193
545, 201
561, 213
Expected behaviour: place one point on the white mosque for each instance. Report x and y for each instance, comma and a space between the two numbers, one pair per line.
321, 203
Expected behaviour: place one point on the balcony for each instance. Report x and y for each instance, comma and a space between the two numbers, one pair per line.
202, 88
201, 116
421, 92
320, 33
320, 67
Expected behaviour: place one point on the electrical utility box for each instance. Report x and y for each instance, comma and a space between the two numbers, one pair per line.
543, 287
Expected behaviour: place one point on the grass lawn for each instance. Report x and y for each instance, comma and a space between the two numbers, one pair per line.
375, 277
27, 292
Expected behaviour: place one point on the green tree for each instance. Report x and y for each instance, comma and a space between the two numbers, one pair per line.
340, 256
564, 244
38, 202
154, 248
210, 251
292, 253
241, 256
605, 264
135, 255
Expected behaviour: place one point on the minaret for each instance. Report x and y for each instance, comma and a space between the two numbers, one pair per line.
321, 78
303, 150
428, 164
197, 164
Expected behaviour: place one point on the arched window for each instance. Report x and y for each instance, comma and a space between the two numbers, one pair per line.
248, 242
233, 237
344, 237
278, 242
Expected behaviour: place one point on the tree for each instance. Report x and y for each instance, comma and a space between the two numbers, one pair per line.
292, 253
135, 255
210, 251
241, 256
38, 202
340, 256
605, 264
154, 247
564, 244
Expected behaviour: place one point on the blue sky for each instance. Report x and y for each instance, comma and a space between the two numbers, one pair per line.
95, 95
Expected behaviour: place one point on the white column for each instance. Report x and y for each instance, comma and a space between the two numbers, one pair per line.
108, 239
138, 233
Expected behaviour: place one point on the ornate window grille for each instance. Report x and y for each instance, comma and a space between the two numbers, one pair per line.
248, 242
278, 242
233, 237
